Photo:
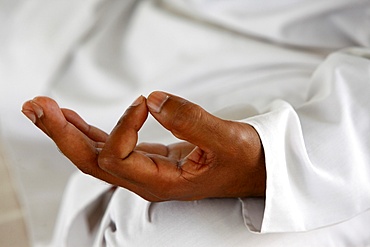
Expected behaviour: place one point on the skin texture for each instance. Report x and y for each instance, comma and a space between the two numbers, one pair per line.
217, 158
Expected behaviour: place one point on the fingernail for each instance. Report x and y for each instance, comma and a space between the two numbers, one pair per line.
38, 110
30, 115
156, 101
138, 101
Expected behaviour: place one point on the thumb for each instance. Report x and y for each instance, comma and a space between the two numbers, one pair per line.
186, 120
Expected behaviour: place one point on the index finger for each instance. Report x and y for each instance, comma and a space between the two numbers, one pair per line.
123, 138
119, 158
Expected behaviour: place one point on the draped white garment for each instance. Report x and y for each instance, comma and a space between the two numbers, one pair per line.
284, 67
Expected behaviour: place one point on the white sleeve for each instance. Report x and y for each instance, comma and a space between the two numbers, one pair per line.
317, 154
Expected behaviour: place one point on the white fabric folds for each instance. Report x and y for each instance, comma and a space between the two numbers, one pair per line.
317, 157
296, 70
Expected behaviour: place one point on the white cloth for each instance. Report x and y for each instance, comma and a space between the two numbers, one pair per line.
131, 221
311, 112
319, 24
317, 157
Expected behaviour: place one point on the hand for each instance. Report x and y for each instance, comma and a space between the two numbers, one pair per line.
219, 158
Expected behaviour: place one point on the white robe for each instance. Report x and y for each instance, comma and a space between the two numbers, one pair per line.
265, 65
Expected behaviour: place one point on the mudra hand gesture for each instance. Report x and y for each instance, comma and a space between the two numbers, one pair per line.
218, 158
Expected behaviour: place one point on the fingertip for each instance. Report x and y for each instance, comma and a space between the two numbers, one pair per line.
29, 114
156, 100
44, 105
43, 101
134, 116
37, 109
26, 106
44, 111
138, 101
32, 110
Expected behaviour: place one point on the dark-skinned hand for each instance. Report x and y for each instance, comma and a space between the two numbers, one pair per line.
218, 158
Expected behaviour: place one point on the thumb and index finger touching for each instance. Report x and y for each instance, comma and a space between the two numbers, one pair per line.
187, 121
77, 140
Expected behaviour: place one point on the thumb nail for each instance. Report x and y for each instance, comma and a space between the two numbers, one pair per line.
156, 101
